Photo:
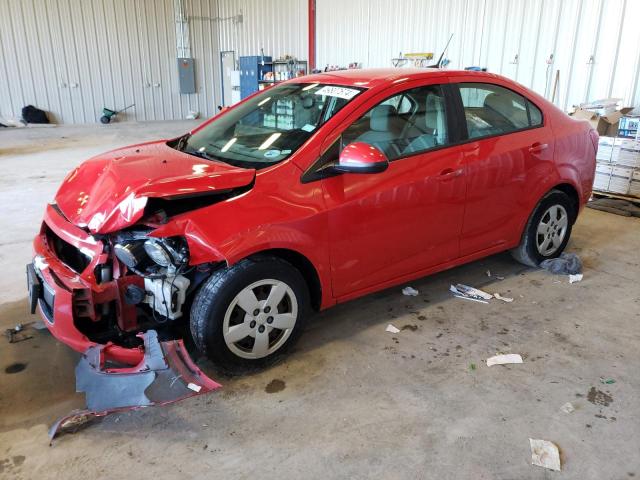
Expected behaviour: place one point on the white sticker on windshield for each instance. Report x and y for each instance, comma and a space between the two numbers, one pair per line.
308, 128
271, 153
340, 92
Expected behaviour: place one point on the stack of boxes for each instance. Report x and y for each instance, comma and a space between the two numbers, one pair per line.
618, 165
618, 159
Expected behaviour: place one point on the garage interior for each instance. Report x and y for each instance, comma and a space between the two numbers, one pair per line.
352, 400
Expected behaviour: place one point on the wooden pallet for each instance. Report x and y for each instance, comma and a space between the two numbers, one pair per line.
628, 198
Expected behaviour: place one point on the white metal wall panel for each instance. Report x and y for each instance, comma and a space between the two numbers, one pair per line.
280, 27
595, 43
74, 57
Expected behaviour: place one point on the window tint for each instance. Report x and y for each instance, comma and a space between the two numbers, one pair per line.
493, 110
407, 123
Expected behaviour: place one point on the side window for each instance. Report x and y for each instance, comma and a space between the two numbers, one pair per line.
535, 115
493, 110
405, 124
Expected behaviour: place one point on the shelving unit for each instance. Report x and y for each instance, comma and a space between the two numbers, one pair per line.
284, 70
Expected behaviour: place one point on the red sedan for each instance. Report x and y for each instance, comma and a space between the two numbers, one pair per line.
313, 192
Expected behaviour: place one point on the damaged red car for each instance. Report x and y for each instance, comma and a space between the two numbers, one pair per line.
313, 192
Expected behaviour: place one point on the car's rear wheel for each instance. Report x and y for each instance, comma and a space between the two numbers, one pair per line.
548, 230
249, 314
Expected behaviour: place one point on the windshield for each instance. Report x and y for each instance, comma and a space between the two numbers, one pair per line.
269, 127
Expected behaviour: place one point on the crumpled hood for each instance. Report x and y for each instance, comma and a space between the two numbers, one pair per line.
109, 192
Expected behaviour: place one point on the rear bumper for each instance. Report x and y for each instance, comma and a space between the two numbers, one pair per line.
61, 294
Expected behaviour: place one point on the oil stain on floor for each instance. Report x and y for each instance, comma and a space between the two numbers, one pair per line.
15, 368
274, 386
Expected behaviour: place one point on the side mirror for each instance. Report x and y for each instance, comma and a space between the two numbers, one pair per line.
360, 157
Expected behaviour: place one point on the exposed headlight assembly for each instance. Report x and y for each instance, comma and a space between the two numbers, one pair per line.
158, 252
167, 252
131, 253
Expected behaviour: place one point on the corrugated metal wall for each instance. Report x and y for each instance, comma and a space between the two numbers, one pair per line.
278, 26
595, 43
74, 57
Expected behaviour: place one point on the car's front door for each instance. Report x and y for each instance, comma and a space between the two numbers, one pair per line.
510, 148
390, 225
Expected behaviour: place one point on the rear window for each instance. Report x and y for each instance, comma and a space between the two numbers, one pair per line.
493, 110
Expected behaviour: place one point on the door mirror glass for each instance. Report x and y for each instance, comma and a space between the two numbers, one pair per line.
360, 157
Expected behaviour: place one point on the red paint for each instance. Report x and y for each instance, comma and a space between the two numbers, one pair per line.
361, 232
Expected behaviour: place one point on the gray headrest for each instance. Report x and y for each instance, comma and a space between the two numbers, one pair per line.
307, 102
499, 103
380, 117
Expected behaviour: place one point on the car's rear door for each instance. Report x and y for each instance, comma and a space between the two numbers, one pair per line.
393, 224
509, 149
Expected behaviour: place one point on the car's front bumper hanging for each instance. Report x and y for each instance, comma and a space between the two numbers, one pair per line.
165, 375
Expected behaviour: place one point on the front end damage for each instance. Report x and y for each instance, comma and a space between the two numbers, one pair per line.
109, 287
119, 299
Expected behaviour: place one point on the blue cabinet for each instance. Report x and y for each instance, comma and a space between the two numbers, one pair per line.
251, 72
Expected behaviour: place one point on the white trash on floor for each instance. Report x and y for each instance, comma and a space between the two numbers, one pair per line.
567, 408
504, 359
504, 299
391, 329
575, 278
469, 293
545, 454
410, 291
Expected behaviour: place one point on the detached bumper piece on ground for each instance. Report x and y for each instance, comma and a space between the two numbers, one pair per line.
165, 375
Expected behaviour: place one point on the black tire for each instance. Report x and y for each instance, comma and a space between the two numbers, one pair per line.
216, 296
527, 252
104, 119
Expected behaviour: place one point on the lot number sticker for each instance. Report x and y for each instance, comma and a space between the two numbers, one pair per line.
340, 92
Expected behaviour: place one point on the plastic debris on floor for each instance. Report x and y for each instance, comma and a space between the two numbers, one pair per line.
565, 264
410, 292
497, 277
475, 294
567, 408
19, 333
504, 359
575, 278
545, 454
392, 329
504, 299
469, 293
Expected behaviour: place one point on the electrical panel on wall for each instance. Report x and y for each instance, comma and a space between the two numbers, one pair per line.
186, 75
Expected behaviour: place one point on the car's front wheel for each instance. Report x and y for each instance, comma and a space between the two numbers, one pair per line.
548, 230
249, 314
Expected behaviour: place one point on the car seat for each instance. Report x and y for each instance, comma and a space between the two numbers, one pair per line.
385, 129
435, 131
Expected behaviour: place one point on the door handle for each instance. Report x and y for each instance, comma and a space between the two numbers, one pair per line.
448, 174
538, 147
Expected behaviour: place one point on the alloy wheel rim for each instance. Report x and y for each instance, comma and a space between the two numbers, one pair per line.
551, 230
260, 319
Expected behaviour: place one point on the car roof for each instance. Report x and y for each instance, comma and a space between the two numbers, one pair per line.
372, 77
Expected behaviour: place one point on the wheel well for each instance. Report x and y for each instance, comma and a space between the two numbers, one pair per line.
572, 193
305, 267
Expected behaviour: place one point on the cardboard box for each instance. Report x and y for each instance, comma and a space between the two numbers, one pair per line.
605, 125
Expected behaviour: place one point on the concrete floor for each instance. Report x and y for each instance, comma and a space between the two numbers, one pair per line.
352, 401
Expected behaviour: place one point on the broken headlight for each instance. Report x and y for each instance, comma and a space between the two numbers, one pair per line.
164, 252
131, 253
158, 253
